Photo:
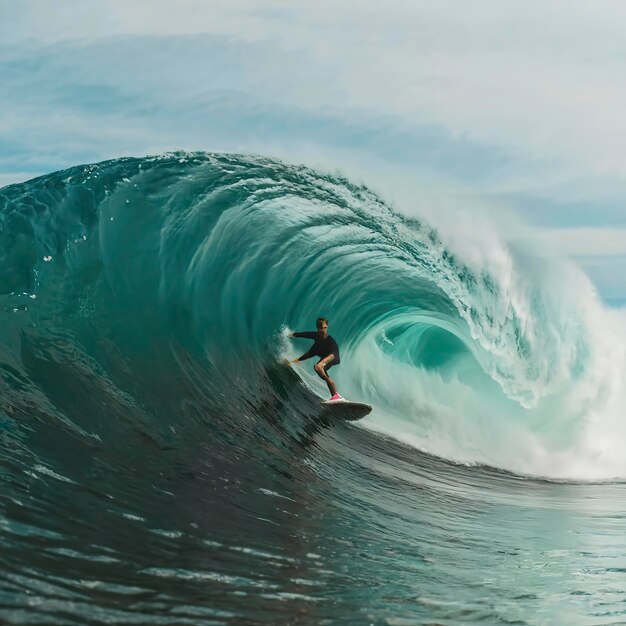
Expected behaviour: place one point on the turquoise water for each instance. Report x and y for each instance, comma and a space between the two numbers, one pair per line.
159, 464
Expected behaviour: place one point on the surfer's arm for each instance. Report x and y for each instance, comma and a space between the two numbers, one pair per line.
307, 355
305, 335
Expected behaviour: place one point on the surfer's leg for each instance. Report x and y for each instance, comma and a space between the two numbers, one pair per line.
322, 367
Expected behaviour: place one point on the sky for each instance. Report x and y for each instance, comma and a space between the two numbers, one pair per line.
516, 107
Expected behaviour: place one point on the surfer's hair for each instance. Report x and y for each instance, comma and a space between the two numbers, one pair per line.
321, 319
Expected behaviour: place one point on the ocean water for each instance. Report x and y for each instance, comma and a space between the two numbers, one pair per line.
160, 465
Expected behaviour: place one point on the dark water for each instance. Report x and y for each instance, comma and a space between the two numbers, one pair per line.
159, 466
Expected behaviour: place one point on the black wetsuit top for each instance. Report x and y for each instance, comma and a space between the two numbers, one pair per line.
322, 346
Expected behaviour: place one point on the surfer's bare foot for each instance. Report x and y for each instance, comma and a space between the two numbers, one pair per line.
335, 397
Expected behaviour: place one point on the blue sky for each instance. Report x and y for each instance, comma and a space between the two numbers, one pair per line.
518, 107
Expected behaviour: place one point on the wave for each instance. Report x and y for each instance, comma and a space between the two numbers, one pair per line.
153, 296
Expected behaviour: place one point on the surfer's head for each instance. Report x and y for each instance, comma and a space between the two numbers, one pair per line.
322, 326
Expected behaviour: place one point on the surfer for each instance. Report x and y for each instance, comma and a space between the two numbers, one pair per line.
326, 348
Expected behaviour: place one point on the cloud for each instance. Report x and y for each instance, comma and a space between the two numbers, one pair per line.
517, 104
588, 242
542, 82
8, 178
600, 251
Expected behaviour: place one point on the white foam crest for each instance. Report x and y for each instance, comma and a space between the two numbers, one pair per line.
560, 367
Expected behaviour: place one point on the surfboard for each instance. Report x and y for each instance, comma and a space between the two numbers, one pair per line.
346, 410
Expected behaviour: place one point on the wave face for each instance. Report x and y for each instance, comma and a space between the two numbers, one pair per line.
160, 465
159, 288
